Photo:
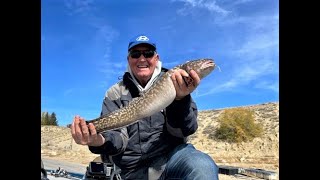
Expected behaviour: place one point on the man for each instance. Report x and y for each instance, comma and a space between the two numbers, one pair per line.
154, 147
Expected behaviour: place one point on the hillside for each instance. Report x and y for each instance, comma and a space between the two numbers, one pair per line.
260, 153
57, 143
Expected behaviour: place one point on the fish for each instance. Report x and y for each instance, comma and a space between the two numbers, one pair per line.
160, 95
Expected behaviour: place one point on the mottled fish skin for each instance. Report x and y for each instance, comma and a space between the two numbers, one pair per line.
160, 95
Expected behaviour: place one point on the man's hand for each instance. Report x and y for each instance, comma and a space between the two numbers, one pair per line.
184, 83
85, 134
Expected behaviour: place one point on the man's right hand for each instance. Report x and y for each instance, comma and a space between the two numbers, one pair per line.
85, 134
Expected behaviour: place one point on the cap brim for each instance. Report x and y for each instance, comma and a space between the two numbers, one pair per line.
138, 43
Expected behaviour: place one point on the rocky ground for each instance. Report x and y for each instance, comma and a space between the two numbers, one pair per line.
263, 153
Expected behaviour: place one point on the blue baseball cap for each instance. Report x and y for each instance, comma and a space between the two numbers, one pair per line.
141, 39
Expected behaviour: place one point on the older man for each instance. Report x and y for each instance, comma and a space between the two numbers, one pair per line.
156, 146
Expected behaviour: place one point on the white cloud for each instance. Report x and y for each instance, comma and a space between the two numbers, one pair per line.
270, 85
79, 6
237, 2
104, 37
107, 35
210, 5
253, 58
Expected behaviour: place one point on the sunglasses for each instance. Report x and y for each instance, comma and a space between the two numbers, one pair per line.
136, 53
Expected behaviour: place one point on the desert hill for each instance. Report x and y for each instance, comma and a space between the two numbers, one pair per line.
260, 153
263, 153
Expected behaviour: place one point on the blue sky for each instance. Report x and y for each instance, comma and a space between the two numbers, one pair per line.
84, 47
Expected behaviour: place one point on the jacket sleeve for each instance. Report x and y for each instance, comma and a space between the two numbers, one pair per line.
182, 117
116, 140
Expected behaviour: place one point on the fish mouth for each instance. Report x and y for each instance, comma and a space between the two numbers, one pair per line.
206, 67
208, 64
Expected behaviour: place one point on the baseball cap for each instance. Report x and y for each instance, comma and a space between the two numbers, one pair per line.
141, 39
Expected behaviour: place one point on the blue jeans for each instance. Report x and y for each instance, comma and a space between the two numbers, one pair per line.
187, 163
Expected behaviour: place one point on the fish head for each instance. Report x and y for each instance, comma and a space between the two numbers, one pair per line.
202, 67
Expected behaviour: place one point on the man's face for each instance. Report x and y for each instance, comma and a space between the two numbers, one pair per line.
142, 67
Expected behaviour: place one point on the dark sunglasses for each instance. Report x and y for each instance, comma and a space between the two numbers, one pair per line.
136, 53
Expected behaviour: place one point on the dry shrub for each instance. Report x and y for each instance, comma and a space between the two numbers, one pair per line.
238, 125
